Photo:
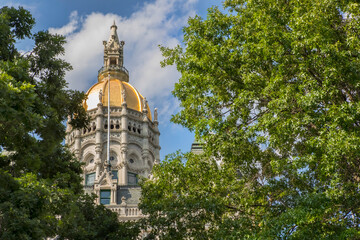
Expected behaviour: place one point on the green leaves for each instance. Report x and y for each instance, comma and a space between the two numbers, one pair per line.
273, 89
14, 23
41, 194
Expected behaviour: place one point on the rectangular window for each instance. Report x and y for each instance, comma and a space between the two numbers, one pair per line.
132, 178
112, 62
89, 179
105, 197
114, 174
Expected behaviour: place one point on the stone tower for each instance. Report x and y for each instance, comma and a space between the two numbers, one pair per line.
112, 173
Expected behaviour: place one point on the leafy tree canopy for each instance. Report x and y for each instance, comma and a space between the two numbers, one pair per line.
272, 87
40, 185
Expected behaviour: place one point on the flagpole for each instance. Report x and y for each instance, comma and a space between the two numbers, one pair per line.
108, 133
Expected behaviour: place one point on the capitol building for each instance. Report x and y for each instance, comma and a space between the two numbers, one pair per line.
121, 143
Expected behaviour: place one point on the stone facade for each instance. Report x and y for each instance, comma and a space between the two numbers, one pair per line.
133, 133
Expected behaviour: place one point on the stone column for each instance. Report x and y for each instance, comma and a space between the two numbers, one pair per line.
77, 144
123, 206
97, 161
124, 124
97, 192
145, 138
123, 166
145, 156
156, 139
113, 194
98, 139
124, 146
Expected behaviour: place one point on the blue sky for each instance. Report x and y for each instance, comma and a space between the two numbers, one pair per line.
143, 25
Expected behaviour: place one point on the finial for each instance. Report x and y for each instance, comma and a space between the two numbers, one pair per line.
155, 114
114, 25
100, 96
123, 201
123, 95
144, 102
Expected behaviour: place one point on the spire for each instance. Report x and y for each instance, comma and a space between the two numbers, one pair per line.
113, 49
114, 39
114, 57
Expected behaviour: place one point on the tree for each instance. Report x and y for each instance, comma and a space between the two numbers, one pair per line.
40, 185
273, 89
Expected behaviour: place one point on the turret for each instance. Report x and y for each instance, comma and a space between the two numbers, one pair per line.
122, 143
113, 58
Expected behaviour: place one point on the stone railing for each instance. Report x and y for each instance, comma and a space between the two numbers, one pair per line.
114, 67
124, 211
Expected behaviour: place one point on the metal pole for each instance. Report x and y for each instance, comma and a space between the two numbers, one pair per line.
108, 133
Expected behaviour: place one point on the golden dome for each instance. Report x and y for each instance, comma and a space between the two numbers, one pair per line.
134, 99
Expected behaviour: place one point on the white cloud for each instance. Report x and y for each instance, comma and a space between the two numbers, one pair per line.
68, 28
157, 23
16, 5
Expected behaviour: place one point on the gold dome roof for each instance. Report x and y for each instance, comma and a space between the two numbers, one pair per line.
134, 99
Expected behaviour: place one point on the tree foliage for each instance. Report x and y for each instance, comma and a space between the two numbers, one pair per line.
40, 185
272, 86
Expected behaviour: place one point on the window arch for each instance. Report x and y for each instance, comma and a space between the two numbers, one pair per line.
113, 159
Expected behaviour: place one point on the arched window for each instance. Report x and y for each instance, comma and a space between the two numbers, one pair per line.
113, 160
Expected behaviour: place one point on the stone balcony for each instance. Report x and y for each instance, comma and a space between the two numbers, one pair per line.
126, 212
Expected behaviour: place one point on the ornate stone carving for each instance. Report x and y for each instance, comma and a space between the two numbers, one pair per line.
123, 95
87, 138
127, 144
135, 139
91, 168
100, 96
115, 135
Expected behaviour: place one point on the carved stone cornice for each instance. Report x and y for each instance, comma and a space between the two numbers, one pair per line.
90, 169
